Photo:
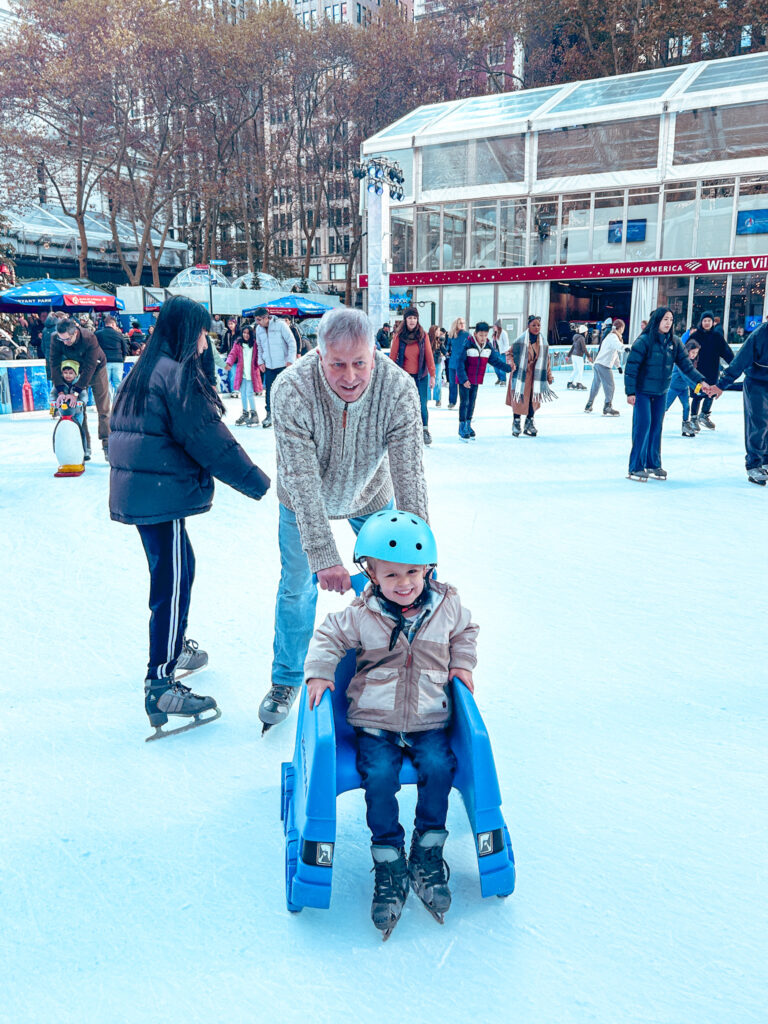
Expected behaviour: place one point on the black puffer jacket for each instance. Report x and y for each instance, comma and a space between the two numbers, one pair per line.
113, 344
713, 347
752, 360
651, 360
164, 461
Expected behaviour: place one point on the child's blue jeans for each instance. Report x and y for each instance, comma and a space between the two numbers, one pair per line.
680, 392
379, 759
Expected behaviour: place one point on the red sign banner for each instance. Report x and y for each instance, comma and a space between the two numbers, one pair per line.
580, 271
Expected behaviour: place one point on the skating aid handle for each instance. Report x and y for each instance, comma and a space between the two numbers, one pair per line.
358, 582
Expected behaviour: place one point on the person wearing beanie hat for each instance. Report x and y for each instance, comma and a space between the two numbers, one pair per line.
712, 348
412, 351
476, 352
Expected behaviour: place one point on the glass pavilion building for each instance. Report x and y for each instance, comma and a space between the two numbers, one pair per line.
581, 201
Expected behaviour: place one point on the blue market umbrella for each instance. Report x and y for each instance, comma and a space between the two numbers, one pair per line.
56, 295
292, 305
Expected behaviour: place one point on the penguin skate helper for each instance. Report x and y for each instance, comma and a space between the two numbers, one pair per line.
349, 436
411, 635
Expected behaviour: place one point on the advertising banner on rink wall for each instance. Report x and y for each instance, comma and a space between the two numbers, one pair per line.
580, 271
24, 386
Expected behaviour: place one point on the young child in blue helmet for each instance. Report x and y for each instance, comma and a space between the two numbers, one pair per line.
411, 635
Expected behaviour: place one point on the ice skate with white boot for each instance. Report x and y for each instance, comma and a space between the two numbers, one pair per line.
164, 697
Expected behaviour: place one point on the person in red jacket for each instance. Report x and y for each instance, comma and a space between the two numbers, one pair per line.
475, 354
412, 351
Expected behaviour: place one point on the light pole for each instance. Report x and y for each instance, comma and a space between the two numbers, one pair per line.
384, 180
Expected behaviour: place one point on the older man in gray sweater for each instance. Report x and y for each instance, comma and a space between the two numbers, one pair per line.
349, 443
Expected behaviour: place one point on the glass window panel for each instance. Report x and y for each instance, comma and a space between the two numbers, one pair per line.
721, 133
679, 215
513, 222
401, 238
454, 304
480, 304
543, 232
598, 148
454, 236
736, 71
428, 304
501, 107
708, 293
497, 161
574, 231
483, 252
746, 310
642, 223
428, 238
752, 218
673, 292
609, 229
444, 166
625, 89
715, 214
416, 120
480, 162
511, 307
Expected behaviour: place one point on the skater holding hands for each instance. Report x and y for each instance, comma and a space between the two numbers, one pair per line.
752, 361
411, 636
647, 377
167, 444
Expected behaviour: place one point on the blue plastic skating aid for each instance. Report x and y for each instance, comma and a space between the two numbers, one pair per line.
323, 766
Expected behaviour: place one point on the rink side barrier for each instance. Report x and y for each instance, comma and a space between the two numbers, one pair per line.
24, 385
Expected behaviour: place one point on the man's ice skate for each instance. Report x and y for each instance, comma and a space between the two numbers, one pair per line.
588, 407
608, 410
757, 475
276, 705
705, 421
695, 420
168, 697
390, 889
191, 659
688, 429
429, 873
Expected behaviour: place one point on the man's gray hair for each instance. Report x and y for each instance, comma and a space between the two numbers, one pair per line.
344, 326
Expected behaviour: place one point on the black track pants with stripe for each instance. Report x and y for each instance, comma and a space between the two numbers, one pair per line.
172, 572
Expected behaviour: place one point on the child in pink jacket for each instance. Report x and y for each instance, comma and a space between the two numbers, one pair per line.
245, 358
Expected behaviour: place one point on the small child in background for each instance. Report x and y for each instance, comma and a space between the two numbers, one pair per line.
680, 386
411, 636
475, 354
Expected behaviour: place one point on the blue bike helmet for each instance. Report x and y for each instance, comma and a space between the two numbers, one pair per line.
396, 537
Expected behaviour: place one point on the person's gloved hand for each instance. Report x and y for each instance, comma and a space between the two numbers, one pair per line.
620, 370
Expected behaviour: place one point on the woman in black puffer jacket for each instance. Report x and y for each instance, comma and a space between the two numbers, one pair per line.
647, 376
167, 444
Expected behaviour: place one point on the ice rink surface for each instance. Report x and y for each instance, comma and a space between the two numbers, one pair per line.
621, 674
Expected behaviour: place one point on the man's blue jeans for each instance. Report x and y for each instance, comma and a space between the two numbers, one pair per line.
379, 759
115, 376
647, 422
296, 601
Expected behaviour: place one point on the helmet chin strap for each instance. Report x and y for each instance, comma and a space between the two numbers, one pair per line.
397, 611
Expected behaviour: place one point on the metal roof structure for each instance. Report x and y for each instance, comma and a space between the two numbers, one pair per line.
688, 86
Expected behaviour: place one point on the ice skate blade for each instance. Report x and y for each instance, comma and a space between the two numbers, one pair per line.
182, 673
161, 733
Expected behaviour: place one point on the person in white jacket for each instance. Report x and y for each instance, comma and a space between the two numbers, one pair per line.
608, 357
277, 348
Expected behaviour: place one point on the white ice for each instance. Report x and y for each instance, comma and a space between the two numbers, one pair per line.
622, 677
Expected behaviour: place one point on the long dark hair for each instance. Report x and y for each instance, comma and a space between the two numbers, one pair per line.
652, 330
241, 336
176, 334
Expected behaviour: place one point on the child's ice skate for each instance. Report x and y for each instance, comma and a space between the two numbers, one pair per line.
429, 873
390, 888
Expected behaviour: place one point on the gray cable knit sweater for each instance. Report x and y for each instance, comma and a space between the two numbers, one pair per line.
337, 459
